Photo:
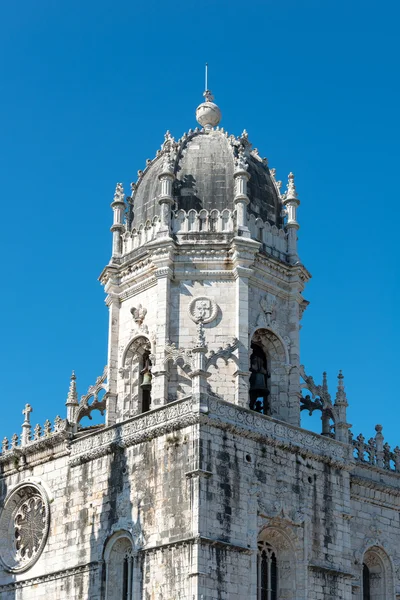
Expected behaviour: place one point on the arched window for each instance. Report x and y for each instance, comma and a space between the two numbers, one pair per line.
267, 572
377, 575
366, 583
259, 389
269, 358
122, 569
136, 377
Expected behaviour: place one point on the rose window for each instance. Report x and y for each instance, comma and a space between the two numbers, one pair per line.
24, 524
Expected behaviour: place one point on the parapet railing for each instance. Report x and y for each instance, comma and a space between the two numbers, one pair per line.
375, 452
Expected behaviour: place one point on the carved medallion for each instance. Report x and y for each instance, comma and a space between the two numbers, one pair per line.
203, 309
24, 525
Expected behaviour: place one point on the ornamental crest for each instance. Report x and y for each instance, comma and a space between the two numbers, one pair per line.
203, 309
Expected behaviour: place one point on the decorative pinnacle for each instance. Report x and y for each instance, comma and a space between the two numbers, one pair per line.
341, 394
324, 381
240, 161
168, 164
119, 193
291, 193
72, 397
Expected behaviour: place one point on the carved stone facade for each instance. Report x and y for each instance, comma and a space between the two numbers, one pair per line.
201, 483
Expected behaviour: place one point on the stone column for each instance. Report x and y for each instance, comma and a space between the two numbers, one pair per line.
118, 206
291, 203
162, 257
165, 198
113, 304
341, 404
241, 200
244, 250
199, 374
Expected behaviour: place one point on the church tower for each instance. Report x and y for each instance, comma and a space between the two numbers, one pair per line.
201, 484
204, 286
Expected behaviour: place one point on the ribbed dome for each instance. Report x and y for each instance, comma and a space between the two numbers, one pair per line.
204, 168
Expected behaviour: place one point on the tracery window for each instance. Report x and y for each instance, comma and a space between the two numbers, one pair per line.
122, 570
24, 525
267, 572
377, 575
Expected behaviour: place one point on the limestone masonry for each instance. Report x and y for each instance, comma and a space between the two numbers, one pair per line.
201, 484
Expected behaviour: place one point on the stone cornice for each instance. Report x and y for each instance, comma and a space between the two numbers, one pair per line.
40, 579
144, 427
272, 432
198, 539
215, 413
330, 571
382, 488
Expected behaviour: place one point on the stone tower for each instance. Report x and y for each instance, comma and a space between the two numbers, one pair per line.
205, 271
201, 484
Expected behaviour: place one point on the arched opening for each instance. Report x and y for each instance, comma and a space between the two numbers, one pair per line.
123, 574
259, 389
137, 377
145, 381
377, 577
276, 566
366, 583
267, 572
268, 382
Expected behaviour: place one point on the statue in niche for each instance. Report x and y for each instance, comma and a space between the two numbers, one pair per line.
259, 391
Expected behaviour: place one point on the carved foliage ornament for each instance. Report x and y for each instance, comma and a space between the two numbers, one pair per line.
203, 309
24, 525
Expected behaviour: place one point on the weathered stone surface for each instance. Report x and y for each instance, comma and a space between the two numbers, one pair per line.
201, 470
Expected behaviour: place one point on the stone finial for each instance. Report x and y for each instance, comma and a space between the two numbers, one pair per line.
291, 193
379, 446
4, 445
119, 193
240, 162
14, 440
47, 427
57, 423
208, 114
26, 425
72, 397
37, 432
341, 394
325, 381
168, 165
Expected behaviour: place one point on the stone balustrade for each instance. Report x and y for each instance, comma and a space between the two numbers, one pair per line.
375, 452
203, 221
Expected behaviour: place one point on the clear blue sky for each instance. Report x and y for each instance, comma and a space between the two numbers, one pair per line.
88, 91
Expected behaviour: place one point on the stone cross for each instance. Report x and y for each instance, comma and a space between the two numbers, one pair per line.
26, 425
27, 410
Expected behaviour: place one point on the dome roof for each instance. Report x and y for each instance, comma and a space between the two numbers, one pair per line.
204, 163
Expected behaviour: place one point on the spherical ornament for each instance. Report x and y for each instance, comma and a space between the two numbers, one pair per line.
208, 114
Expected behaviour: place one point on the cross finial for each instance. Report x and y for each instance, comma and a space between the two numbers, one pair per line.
26, 412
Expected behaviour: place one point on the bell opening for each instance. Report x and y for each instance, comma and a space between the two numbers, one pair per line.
146, 379
259, 384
